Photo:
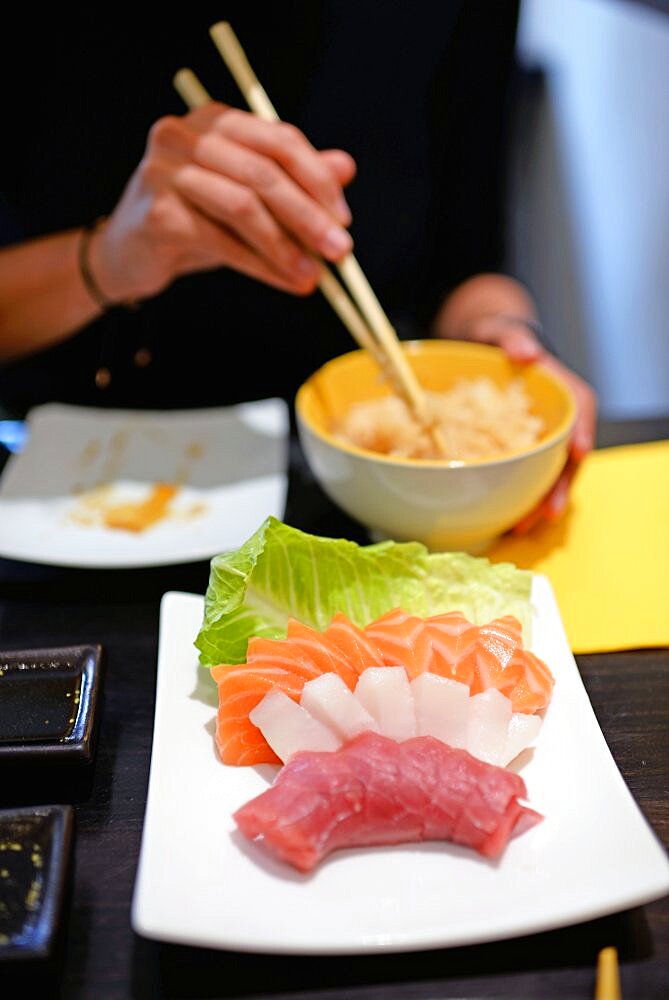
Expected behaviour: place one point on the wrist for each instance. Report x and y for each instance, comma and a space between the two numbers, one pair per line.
103, 286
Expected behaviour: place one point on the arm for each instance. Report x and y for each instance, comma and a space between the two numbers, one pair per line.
216, 188
497, 309
42, 296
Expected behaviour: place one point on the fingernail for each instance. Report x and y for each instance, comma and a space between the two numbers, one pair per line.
519, 348
336, 242
528, 352
343, 211
524, 526
557, 501
306, 267
582, 443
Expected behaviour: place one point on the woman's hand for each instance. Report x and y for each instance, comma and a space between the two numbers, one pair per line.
495, 309
221, 188
522, 346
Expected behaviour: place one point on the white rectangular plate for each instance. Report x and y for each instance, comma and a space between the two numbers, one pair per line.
231, 463
200, 883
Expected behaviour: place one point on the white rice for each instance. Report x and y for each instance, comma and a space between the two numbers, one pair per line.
477, 419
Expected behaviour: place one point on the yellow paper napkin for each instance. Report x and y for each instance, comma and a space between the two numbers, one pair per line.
607, 558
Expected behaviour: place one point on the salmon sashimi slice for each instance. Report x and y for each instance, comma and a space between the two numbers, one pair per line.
482, 657
503, 663
354, 643
452, 644
443, 644
327, 656
494, 657
534, 687
401, 640
240, 689
284, 654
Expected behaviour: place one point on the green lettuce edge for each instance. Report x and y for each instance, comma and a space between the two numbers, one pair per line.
282, 572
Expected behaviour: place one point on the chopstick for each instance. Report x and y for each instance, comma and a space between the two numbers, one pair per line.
608, 979
386, 343
190, 90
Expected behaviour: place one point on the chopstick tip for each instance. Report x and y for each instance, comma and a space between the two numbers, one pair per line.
608, 977
220, 27
189, 88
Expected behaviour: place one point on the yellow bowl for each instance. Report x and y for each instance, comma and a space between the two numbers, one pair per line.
445, 505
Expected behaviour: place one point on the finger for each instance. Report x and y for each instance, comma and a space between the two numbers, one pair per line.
552, 505
219, 247
343, 165
338, 161
585, 426
288, 146
520, 345
517, 342
525, 525
555, 502
540, 513
303, 217
240, 210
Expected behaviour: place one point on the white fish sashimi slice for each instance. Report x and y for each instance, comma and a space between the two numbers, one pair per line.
288, 727
386, 694
488, 725
328, 699
442, 708
523, 730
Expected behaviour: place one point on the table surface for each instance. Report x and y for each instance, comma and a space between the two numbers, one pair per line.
98, 955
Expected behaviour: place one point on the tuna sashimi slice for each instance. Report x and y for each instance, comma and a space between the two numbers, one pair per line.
375, 791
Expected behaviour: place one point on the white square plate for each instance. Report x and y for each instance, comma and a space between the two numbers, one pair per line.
200, 883
230, 463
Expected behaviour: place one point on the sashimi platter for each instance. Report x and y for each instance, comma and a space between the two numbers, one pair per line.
384, 745
361, 748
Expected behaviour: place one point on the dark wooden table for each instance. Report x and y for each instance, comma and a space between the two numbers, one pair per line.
98, 955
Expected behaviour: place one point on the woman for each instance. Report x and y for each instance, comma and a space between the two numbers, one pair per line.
152, 305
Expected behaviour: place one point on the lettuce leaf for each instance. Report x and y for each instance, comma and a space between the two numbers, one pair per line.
282, 573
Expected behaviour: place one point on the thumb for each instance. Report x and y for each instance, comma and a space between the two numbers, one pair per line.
515, 340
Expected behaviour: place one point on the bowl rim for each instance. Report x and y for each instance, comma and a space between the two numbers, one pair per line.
562, 431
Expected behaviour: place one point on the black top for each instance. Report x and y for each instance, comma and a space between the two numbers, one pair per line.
415, 92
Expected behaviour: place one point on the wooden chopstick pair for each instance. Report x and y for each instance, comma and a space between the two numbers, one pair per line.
366, 321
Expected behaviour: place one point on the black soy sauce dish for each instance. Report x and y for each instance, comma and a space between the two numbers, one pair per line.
35, 852
49, 702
